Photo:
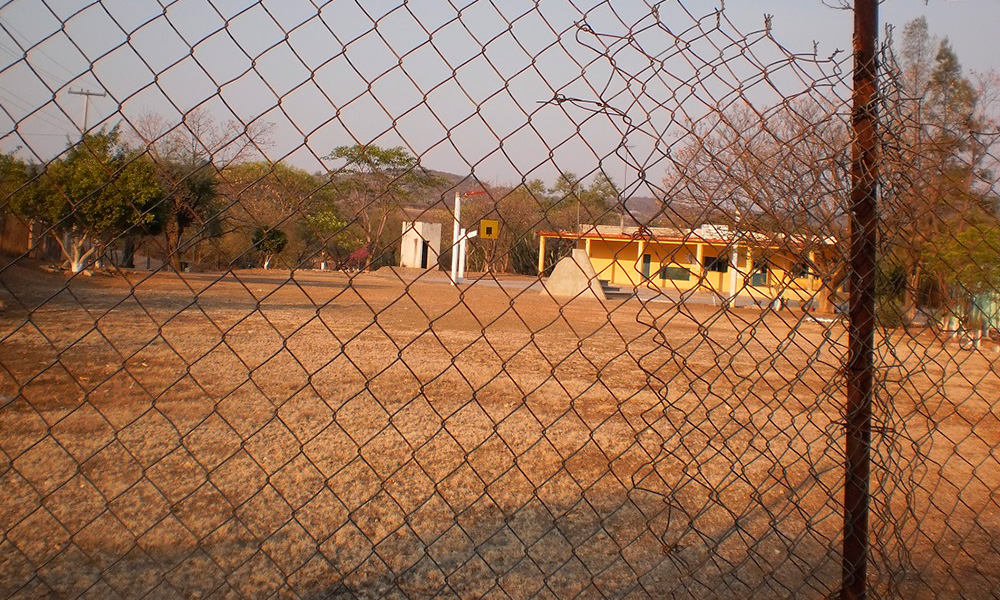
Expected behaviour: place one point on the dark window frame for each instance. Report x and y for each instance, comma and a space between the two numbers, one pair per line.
717, 264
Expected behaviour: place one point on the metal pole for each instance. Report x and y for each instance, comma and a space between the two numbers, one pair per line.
861, 325
455, 233
461, 254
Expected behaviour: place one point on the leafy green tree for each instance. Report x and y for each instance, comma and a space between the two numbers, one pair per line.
13, 176
97, 191
261, 194
327, 235
574, 203
968, 260
373, 184
191, 189
270, 243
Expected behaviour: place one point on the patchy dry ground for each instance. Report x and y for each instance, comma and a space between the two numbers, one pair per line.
254, 434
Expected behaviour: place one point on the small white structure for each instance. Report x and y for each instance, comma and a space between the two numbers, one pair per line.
421, 245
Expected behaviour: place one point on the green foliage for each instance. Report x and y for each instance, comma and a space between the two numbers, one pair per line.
269, 241
98, 188
13, 176
261, 195
890, 312
374, 159
326, 234
373, 184
570, 202
381, 174
968, 261
326, 222
191, 190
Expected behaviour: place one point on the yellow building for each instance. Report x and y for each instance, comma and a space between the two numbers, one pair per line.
712, 258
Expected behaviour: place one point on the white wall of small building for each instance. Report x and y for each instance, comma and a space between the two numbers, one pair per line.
415, 233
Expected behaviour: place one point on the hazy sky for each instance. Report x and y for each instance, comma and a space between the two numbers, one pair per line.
467, 86
970, 25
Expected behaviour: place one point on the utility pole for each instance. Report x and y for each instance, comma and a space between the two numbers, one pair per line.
86, 103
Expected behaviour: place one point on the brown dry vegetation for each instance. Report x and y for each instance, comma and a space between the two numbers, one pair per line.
317, 435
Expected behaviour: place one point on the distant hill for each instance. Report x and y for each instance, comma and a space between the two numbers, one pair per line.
449, 184
644, 210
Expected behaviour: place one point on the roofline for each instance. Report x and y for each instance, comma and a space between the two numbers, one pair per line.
693, 237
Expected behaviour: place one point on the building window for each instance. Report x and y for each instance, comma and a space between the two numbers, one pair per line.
717, 264
675, 273
759, 277
800, 270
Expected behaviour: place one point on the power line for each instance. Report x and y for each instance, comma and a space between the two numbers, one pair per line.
25, 105
34, 67
26, 39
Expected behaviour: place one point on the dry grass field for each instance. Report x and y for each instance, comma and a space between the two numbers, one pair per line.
256, 435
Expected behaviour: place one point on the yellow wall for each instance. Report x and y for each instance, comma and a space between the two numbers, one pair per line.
620, 263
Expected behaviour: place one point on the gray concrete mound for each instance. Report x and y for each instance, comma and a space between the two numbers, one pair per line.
574, 277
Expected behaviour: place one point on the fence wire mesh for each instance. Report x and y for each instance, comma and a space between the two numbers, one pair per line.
503, 300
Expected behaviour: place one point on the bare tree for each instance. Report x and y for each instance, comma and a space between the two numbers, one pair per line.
189, 155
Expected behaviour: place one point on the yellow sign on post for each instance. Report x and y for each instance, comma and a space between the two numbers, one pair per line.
489, 230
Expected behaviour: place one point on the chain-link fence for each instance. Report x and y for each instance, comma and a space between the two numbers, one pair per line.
554, 300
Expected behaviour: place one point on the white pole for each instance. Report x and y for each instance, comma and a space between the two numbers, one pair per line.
733, 281
466, 236
455, 234
461, 255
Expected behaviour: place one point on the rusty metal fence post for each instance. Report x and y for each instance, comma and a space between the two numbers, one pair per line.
861, 328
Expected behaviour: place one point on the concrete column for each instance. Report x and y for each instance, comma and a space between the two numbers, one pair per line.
734, 260
699, 260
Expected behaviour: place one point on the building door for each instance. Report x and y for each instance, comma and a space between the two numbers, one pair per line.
647, 260
423, 254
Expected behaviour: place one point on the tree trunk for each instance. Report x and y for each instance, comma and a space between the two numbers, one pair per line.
72, 249
375, 238
172, 237
128, 253
910, 291
31, 253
